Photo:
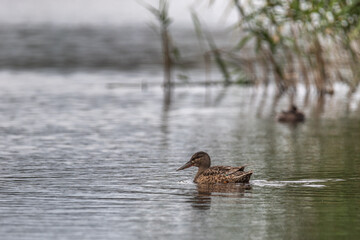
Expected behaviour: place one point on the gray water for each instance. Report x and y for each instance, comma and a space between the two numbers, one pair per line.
85, 153
63, 48
80, 160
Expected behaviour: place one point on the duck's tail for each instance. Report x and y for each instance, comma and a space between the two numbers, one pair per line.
244, 178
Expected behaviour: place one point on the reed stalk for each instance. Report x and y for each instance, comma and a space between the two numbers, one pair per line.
162, 15
297, 38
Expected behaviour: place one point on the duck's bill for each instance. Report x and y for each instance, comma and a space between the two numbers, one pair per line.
186, 165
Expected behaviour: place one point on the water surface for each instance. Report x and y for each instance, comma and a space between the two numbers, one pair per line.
80, 160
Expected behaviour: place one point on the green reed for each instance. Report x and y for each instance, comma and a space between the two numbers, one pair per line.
313, 42
170, 52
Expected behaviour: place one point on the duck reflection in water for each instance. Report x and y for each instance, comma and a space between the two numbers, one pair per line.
202, 197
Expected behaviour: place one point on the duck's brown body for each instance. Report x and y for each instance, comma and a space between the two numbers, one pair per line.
224, 174
291, 116
216, 174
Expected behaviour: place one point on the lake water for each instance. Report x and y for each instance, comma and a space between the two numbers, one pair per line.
82, 160
86, 153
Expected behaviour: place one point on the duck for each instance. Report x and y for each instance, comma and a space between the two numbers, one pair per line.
292, 115
215, 174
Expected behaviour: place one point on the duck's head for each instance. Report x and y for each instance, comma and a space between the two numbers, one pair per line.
199, 159
293, 108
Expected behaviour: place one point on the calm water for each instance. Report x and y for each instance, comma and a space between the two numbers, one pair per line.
80, 160
84, 158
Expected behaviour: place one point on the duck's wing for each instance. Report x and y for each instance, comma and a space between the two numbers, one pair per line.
235, 170
224, 174
223, 170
